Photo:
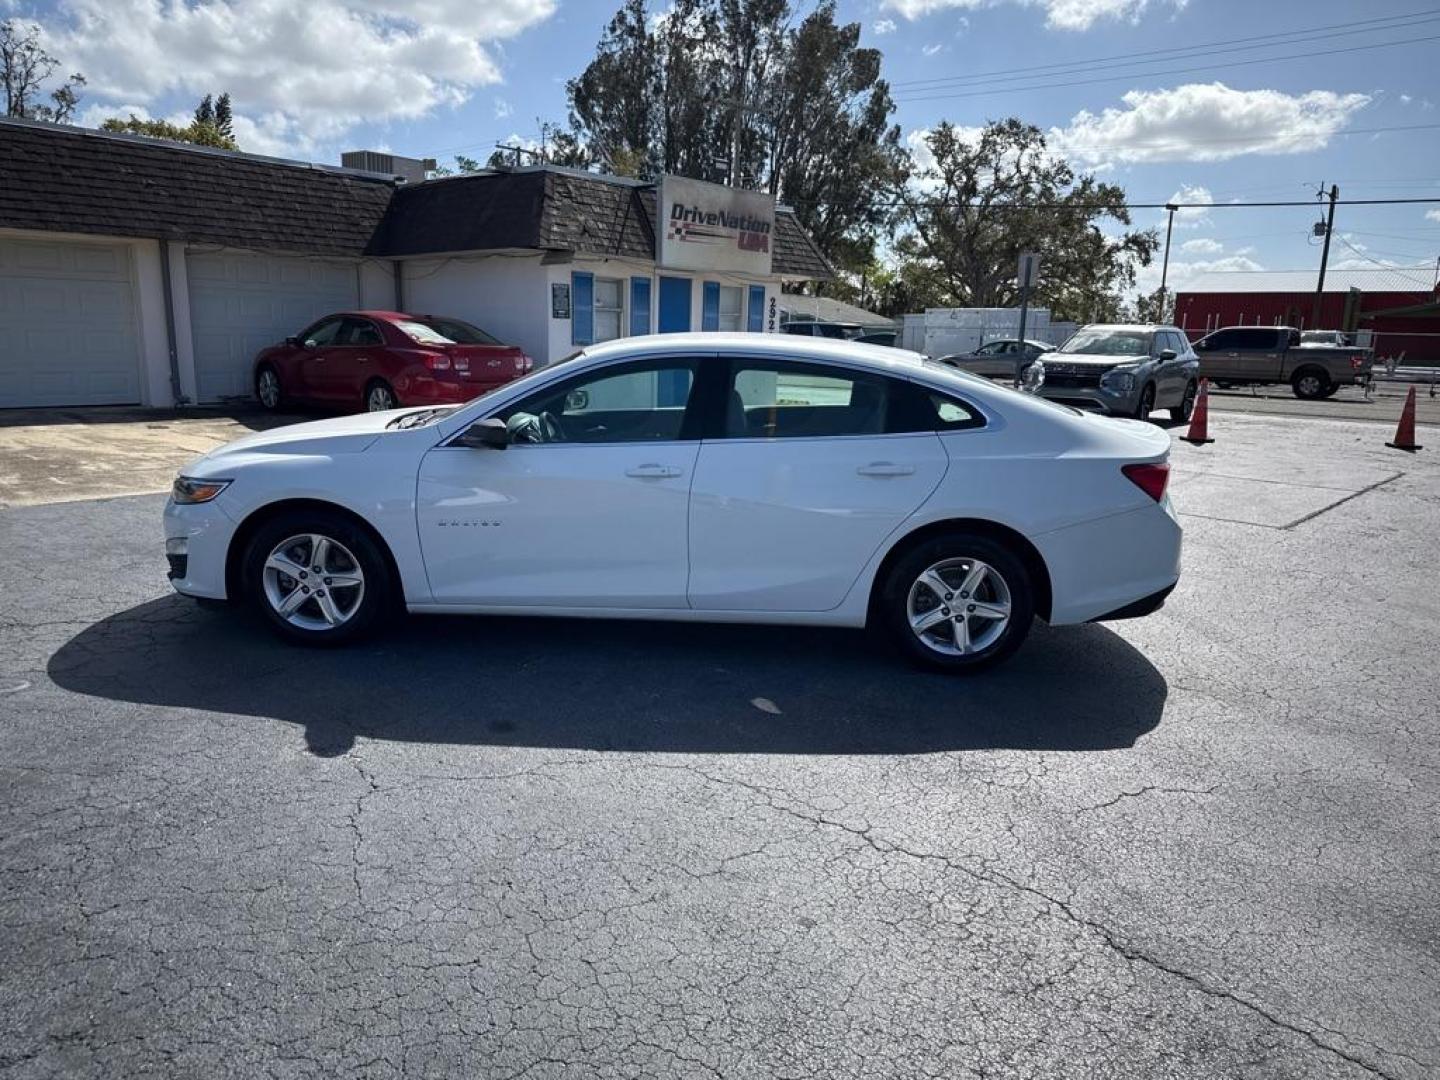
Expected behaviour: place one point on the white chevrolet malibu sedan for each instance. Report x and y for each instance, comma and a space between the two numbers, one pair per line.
704, 477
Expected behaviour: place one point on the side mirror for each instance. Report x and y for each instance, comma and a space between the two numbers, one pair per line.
485, 435
1167, 354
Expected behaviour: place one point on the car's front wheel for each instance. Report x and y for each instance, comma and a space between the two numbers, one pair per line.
1310, 384
1147, 402
960, 602
317, 578
268, 389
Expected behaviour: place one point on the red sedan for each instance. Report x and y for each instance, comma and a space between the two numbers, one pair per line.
377, 360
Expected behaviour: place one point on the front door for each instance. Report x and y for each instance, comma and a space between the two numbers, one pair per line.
674, 305
813, 471
586, 508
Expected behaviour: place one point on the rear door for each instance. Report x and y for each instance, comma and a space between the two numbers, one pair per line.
803, 481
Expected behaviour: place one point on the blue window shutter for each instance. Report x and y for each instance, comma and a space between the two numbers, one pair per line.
639, 306
710, 307
757, 309
582, 308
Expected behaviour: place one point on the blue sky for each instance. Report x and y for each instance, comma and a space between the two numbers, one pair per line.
440, 77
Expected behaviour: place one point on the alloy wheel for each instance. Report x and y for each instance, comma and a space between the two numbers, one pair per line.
959, 606
313, 582
380, 399
1310, 386
267, 387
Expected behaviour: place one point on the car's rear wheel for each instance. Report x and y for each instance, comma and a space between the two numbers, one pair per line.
1310, 384
1147, 402
268, 389
317, 577
379, 397
1187, 404
960, 602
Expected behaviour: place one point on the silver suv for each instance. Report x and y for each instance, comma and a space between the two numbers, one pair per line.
1127, 370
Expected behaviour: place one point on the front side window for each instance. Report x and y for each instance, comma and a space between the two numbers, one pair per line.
322, 333
608, 308
644, 402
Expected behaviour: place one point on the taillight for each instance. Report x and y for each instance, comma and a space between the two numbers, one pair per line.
462, 363
437, 361
1357, 361
523, 363
1150, 479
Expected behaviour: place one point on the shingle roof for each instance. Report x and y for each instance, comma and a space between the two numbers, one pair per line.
553, 209
70, 180
1337, 279
828, 309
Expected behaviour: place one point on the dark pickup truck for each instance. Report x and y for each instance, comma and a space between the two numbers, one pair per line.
1250, 355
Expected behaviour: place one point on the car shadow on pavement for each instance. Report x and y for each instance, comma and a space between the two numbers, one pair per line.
619, 685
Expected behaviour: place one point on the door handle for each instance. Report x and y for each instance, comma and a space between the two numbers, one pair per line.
885, 468
654, 472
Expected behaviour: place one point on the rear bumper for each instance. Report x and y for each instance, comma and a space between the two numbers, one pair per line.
423, 391
1138, 609
1115, 564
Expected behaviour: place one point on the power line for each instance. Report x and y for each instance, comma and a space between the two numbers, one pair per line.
1262, 41
943, 204
1171, 71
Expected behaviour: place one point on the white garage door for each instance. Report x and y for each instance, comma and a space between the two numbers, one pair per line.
68, 328
242, 302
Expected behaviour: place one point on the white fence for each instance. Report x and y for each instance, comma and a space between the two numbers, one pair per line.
942, 331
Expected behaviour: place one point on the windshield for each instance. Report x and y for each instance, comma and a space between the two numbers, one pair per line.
432, 331
1101, 342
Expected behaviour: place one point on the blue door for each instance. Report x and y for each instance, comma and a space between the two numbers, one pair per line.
674, 305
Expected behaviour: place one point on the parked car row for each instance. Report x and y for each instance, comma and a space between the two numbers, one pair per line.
696, 477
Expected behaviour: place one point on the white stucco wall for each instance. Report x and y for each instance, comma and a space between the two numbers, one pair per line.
377, 285
505, 295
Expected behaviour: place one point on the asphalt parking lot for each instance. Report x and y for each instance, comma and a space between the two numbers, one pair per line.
1201, 844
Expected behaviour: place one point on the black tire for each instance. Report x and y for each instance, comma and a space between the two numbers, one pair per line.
1224, 384
1334, 389
270, 402
937, 648
1311, 384
1147, 402
380, 396
1187, 404
351, 547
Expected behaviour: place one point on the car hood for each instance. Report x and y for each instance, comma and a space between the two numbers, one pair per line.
337, 435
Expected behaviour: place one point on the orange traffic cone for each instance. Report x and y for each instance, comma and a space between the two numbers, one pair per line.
1405, 430
1199, 432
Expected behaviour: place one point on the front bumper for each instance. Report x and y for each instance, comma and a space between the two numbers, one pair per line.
1092, 397
197, 541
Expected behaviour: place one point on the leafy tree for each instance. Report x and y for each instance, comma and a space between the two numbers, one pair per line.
224, 121
25, 67
1155, 307
966, 219
731, 91
205, 111
197, 133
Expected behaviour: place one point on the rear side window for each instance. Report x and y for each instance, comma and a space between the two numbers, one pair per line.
919, 408
783, 399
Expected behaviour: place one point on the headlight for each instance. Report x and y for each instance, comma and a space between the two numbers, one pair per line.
1119, 381
1033, 377
187, 491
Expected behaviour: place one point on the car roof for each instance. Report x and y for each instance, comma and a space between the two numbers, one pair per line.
885, 359
1148, 327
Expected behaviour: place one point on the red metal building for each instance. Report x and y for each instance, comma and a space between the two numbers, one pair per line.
1400, 307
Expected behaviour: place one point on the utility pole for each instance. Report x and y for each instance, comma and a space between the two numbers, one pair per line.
1029, 273
1165, 266
1324, 254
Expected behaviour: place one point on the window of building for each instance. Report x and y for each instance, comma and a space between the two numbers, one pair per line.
609, 308
731, 317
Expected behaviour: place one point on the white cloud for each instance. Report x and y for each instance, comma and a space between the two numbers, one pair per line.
932, 49
1405, 99
883, 26
1202, 246
299, 74
1191, 216
1059, 14
502, 109
1147, 278
1432, 215
1206, 122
